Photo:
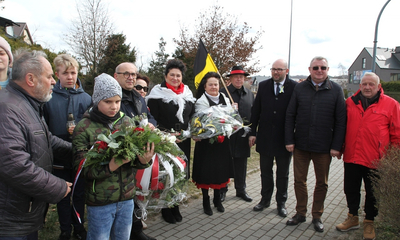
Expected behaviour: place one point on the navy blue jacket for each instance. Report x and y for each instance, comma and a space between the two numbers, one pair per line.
268, 117
316, 118
133, 104
64, 101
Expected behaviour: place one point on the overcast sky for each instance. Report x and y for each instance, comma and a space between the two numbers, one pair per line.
335, 29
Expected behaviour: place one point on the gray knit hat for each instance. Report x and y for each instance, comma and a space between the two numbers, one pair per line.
105, 87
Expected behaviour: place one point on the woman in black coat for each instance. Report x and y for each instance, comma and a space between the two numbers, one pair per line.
172, 105
212, 163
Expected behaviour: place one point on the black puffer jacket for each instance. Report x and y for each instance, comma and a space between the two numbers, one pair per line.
316, 119
26, 184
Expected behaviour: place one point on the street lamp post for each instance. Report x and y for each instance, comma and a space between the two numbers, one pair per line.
376, 36
290, 35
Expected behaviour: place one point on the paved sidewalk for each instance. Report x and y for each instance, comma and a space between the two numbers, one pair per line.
239, 221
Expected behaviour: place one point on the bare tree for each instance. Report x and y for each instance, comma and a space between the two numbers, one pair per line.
227, 42
89, 32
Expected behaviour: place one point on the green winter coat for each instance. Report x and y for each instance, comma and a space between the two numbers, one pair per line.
102, 186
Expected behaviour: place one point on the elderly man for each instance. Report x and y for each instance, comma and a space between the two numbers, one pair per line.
239, 145
133, 104
26, 146
268, 128
314, 130
373, 123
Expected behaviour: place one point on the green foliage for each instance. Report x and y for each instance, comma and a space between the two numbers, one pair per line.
157, 66
387, 191
391, 86
116, 52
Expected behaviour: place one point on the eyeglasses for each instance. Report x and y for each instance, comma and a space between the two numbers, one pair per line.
315, 68
140, 87
278, 69
127, 74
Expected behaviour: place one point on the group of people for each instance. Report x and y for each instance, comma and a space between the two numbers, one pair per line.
306, 121
313, 121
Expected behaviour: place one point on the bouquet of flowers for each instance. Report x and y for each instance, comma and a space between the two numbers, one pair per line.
216, 123
163, 184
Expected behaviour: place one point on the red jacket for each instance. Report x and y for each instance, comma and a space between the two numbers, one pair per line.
370, 132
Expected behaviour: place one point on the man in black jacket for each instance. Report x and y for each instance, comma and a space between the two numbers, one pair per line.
239, 145
26, 146
268, 128
133, 104
314, 130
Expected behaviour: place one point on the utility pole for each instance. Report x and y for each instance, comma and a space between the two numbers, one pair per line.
376, 36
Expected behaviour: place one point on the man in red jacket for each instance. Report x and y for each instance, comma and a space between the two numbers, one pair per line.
373, 123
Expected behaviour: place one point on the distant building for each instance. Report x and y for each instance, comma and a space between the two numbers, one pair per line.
16, 30
387, 66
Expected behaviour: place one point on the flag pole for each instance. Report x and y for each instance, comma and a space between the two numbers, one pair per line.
226, 88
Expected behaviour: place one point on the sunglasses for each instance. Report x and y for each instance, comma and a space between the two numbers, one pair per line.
140, 87
315, 68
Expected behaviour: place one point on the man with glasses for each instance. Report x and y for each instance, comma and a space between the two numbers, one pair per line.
268, 128
133, 104
314, 130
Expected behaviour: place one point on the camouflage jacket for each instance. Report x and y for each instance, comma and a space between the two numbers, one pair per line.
102, 186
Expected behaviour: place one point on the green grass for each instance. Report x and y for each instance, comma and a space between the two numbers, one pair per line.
51, 229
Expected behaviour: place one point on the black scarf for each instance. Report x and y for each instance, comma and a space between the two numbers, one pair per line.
97, 116
366, 102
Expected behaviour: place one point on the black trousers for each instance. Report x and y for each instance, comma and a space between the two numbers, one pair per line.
353, 176
240, 172
282, 177
137, 226
66, 213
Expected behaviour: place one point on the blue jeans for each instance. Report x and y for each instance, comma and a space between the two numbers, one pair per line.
112, 221
32, 236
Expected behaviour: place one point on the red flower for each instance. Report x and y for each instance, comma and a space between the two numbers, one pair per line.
220, 138
156, 195
222, 120
102, 145
138, 129
140, 197
160, 186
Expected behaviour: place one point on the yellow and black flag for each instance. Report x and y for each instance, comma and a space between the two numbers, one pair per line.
203, 64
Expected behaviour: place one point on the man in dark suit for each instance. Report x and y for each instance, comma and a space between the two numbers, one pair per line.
268, 128
240, 149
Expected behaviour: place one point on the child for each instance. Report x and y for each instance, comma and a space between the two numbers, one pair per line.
109, 188
68, 97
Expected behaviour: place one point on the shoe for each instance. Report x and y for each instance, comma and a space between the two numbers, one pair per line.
207, 206
282, 211
244, 196
166, 213
223, 195
140, 236
263, 204
64, 236
318, 226
218, 205
350, 223
144, 225
296, 219
369, 230
80, 235
177, 215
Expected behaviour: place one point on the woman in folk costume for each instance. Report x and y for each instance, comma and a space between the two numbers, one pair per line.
172, 105
212, 163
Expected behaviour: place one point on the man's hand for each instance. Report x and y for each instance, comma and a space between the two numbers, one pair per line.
68, 188
335, 153
290, 147
252, 140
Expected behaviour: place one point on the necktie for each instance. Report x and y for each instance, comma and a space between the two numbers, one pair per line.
277, 89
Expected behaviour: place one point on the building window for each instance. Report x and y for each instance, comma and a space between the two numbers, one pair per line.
364, 63
395, 77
